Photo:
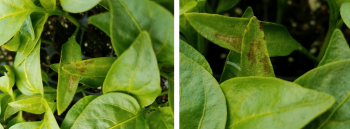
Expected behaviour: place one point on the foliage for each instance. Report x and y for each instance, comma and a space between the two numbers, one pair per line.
142, 37
248, 94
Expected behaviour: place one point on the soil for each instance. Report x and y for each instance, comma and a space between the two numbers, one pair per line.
306, 26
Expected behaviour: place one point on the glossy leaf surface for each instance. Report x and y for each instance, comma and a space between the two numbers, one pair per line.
7, 81
28, 44
78, 6
67, 83
267, 102
28, 74
161, 119
333, 79
255, 60
96, 67
128, 19
338, 49
225, 5
194, 55
27, 28
12, 15
228, 32
14, 43
136, 72
50, 4
123, 111
201, 99
102, 21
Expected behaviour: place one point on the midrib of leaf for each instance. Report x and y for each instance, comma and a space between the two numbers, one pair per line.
269, 113
330, 116
137, 65
132, 16
165, 123
165, 42
27, 78
205, 102
132, 118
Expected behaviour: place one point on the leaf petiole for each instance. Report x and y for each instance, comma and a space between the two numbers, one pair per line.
69, 17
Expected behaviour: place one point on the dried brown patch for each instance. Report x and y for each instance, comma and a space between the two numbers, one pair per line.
72, 81
80, 68
265, 61
89, 62
232, 41
247, 28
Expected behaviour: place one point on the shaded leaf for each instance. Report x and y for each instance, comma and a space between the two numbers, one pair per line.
78, 6
191, 53
267, 102
105, 4
102, 21
345, 13
255, 60
248, 13
168, 4
18, 119
201, 99
331, 78
45, 77
13, 45
51, 4
12, 15
171, 92
27, 28
67, 84
136, 72
95, 67
92, 82
32, 105
123, 111
225, 5
7, 81
161, 119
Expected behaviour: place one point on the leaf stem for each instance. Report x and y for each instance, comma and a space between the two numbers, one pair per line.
59, 12
163, 93
47, 42
332, 26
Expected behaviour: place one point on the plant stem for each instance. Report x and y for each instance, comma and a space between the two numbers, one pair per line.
47, 42
163, 93
69, 17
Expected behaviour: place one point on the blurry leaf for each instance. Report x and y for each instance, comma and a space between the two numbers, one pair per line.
95, 67
18, 119
27, 28
14, 43
92, 112
168, 4
51, 4
32, 105
4, 99
27, 44
268, 103
194, 55
67, 84
248, 13
333, 79
55, 67
28, 74
171, 92
162, 118
92, 82
50, 93
12, 15
202, 102
78, 6
225, 5
338, 49
136, 72
105, 4
255, 60
345, 13
7, 81
188, 7
128, 19
228, 32
102, 21
45, 78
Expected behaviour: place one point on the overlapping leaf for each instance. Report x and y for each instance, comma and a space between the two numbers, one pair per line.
201, 99
96, 67
78, 6
12, 15
67, 83
102, 21
331, 78
161, 119
112, 110
32, 104
135, 72
51, 4
194, 55
267, 102
7, 81
14, 44
225, 5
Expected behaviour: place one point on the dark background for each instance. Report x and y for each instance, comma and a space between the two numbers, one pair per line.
309, 27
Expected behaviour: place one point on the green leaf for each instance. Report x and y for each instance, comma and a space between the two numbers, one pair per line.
12, 15
331, 78
78, 6
50, 93
28, 74
267, 102
163, 118
28, 44
168, 4
51, 4
345, 13
27, 28
128, 19
111, 110
18, 119
225, 5
136, 72
338, 49
67, 83
9, 111
92, 82
162, 33
187, 7
248, 13
55, 67
13, 45
105, 4
228, 32
96, 67
32, 105
7, 81
4, 99
202, 102
102, 21
191, 53
255, 60
45, 77
171, 93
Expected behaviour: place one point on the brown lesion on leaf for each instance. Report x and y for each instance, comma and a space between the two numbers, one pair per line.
265, 62
80, 68
72, 81
247, 28
231, 40
260, 28
89, 62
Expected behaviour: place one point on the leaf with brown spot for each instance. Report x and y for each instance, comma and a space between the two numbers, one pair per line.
96, 67
255, 59
67, 83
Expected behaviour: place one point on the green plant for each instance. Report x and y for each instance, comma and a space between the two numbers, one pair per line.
141, 33
248, 94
